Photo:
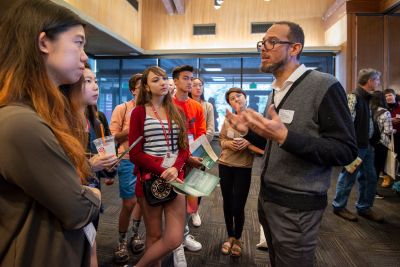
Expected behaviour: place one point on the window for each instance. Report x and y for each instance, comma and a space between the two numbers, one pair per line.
108, 77
129, 68
168, 64
219, 74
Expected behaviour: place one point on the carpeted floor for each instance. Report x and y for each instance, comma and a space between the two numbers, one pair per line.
340, 243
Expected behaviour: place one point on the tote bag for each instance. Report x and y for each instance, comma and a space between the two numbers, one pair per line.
391, 161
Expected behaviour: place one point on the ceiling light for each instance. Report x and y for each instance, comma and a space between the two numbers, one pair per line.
218, 79
218, 3
212, 69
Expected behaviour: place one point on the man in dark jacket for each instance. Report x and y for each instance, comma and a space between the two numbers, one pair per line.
307, 130
368, 81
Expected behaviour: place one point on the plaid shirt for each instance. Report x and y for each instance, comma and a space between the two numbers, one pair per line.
385, 125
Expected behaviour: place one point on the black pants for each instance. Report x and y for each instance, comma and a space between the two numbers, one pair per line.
380, 158
235, 184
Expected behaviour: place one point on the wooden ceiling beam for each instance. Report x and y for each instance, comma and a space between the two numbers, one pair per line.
169, 6
180, 6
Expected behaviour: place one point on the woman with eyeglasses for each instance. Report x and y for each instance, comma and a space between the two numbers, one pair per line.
235, 163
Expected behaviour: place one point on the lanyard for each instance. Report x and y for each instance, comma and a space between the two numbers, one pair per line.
162, 126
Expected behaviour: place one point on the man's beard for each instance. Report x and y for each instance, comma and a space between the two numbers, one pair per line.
273, 68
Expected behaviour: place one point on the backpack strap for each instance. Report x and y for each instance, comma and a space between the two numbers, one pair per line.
123, 117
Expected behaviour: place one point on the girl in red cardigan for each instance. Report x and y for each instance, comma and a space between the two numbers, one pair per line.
160, 152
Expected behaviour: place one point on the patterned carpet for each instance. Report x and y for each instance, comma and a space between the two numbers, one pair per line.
340, 243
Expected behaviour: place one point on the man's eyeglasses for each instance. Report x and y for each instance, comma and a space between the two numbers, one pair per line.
269, 44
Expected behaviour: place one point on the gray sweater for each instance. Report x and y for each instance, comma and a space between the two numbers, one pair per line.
321, 135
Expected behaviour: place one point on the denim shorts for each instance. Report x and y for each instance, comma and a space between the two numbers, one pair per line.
127, 180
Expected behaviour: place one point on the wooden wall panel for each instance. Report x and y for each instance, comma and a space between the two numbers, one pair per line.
369, 43
393, 57
116, 15
162, 31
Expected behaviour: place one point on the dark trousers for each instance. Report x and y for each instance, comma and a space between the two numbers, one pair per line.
291, 234
380, 158
235, 184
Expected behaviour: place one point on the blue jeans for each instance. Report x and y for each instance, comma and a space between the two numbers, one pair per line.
127, 180
367, 180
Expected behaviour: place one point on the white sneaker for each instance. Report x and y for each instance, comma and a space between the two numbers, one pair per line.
191, 244
179, 257
196, 220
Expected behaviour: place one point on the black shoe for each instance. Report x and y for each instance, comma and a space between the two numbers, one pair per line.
345, 214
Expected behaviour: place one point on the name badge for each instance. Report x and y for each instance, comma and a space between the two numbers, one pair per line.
230, 133
90, 233
169, 160
286, 115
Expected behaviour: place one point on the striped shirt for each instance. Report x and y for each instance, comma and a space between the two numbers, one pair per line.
155, 143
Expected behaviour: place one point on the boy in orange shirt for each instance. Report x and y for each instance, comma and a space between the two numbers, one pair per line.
196, 126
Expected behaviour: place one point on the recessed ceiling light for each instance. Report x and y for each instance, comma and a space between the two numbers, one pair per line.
218, 79
212, 69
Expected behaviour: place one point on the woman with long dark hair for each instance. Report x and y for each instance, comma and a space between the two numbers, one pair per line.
43, 164
162, 151
383, 130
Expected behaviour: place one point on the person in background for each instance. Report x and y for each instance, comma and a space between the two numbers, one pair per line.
394, 108
195, 126
96, 122
235, 163
211, 100
120, 120
368, 82
171, 87
197, 94
99, 164
44, 205
383, 130
162, 151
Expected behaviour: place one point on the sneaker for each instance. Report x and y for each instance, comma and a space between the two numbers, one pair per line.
121, 254
179, 257
191, 244
345, 214
378, 196
137, 244
371, 215
196, 220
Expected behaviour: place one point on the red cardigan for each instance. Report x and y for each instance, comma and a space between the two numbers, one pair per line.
144, 162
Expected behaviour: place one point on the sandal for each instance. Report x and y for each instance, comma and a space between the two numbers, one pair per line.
236, 250
227, 246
